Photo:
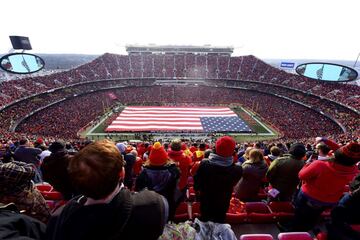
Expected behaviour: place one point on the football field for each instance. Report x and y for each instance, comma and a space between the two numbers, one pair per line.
157, 122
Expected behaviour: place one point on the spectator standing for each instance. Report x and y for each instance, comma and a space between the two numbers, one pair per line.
25, 153
215, 180
323, 185
184, 162
161, 175
254, 171
274, 154
130, 160
283, 172
346, 213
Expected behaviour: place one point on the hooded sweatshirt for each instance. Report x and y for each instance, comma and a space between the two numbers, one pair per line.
215, 180
184, 163
325, 180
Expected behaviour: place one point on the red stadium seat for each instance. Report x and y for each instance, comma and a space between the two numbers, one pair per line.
236, 218
356, 227
256, 237
191, 194
259, 212
195, 210
283, 211
52, 195
182, 212
321, 236
295, 236
236, 212
261, 194
44, 187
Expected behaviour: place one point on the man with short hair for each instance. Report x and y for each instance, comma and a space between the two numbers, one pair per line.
283, 172
25, 153
106, 210
323, 151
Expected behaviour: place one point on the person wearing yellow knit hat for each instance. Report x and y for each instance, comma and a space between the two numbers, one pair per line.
160, 175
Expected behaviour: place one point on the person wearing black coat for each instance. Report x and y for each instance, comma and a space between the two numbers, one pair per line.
215, 180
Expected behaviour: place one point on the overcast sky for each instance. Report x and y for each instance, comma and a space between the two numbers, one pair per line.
307, 29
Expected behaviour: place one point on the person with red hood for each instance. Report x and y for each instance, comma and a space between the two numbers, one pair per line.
184, 162
323, 185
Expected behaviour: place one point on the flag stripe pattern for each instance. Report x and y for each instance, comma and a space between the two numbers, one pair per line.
201, 119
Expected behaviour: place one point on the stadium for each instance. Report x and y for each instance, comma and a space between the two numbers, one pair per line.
178, 138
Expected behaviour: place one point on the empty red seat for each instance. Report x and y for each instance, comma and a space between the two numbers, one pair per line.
256, 237
259, 212
295, 236
283, 211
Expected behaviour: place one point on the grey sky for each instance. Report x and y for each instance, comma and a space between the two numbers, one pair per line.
267, 29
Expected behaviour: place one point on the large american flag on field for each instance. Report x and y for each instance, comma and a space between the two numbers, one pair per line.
199, 119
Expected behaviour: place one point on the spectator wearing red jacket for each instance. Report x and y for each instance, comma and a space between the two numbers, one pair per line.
183, 162
323, 185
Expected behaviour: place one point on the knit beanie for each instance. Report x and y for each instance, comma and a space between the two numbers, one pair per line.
348, 155
121, 147
158, 155
57, 146
225, 146
297, 150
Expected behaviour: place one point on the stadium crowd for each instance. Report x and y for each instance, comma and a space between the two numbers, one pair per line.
177, 66
78, 195
80, 190
64, 119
